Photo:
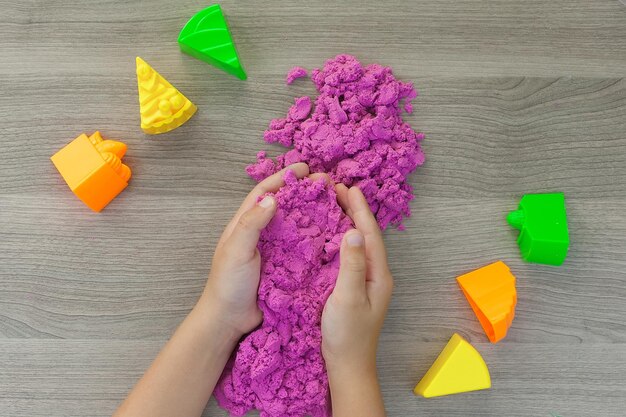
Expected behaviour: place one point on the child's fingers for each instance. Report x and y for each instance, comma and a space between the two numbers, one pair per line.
270, 184
366, 223
245, 235
379, 280
350, 286
342, 198
320, 175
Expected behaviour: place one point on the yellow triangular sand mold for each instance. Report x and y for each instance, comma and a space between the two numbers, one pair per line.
459, 368
163, 107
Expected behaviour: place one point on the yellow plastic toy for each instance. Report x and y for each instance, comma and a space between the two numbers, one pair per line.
491, 293
162, 107
459, 368
93, 169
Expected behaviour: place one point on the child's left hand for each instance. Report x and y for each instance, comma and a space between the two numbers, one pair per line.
234, 278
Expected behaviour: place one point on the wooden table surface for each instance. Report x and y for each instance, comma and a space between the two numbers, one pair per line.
516, 97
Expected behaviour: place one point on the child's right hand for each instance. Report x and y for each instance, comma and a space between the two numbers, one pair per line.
355, 311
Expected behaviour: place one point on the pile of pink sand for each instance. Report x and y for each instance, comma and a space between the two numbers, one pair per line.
356, 134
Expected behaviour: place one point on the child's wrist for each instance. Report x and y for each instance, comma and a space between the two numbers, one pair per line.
351, 367
213, 320
350, 375
352, 357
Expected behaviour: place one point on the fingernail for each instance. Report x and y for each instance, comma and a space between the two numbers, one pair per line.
354, 239
267, 202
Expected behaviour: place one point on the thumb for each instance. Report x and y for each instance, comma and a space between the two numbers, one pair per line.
245, 235
353, 267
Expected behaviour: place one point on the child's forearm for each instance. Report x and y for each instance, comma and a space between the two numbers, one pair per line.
355, 391
182, 377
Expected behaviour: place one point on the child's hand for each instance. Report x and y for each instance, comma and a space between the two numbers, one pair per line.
234, 279
181, 379
355, 311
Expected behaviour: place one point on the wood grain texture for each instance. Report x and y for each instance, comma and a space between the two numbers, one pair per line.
74, 378
515, 97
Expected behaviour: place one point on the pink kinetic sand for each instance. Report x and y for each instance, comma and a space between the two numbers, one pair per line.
355, 133
278, 368
294, 74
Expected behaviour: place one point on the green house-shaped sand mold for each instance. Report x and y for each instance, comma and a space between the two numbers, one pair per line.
542, 222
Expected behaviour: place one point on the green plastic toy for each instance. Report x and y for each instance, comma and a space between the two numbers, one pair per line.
542, 222
207, 38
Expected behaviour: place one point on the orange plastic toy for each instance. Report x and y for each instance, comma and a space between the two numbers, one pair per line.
93, 169
491, 293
